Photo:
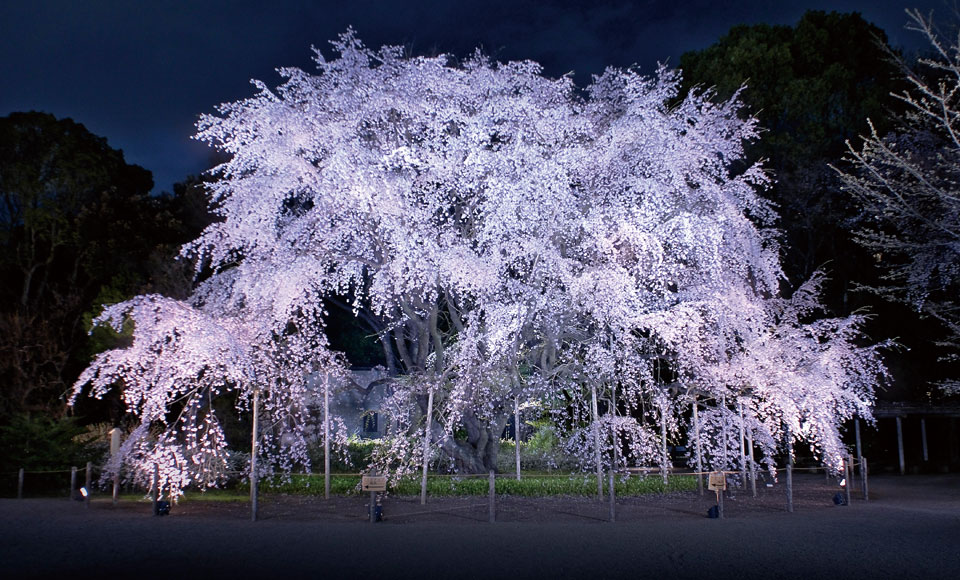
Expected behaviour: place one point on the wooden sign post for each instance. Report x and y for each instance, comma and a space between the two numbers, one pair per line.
373, 483
718, 482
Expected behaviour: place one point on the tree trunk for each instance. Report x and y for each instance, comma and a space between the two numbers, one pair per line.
477, 453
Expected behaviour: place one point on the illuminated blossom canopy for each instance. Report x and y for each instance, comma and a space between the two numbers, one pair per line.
516, 237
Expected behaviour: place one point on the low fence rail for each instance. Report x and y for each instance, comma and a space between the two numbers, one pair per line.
503, 488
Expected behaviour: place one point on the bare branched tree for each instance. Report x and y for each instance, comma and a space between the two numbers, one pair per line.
908, 182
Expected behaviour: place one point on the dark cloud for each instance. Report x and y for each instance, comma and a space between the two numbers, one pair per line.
139, 73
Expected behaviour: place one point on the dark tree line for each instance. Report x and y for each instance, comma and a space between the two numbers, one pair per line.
78, 229
813, 86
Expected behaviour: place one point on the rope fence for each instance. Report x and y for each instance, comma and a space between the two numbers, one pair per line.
853, 475
46, 485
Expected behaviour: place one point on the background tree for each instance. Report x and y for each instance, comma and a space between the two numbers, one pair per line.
812, 87
906, 181
78, 229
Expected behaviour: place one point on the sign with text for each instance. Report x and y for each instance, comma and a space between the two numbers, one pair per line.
373, 483
717, 481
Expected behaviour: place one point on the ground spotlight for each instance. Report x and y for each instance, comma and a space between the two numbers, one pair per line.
162, 508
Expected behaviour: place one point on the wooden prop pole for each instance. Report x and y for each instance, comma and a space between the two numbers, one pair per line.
156, 489
665, 458
856, 427
613, 499
743, 448
903, 466
596, 441
720, 502
516, 433
923, 438
789, 472
847, 479
492, 497
863, 472
326, 436
114, 449
254, 450
87, 484
752, 464
373, 503
723, 432
696, 436
426, 447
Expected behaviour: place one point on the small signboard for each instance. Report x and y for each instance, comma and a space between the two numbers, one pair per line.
717, 481
373, 483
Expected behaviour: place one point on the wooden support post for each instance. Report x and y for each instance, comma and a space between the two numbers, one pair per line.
326, 435
373, 473
516, 433
114, 449
847, 476
20, 484
789, 472
615, 453
856, 425
720, 493
696, 435
743, 448
923, 438
87, 484
73, 482
856, 428
752, 464
790, 484
863, 472
156, 489
665, 459
492, 497
596, 441
254, 451
723, 433
903, 466
613, 498
426, 447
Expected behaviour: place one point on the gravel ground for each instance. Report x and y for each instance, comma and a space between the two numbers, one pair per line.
909, 529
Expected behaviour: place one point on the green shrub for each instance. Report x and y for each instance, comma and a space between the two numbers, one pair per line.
306, 484
535, 485
358, 455
540, 452
39, 443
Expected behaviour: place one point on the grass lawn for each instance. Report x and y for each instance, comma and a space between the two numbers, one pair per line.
530, 485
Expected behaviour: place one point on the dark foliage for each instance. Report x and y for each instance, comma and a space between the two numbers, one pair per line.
78, 229
813, 86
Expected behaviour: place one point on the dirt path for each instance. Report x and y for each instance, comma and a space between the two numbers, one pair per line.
909, 529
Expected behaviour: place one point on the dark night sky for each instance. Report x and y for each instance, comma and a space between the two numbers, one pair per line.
139, 72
